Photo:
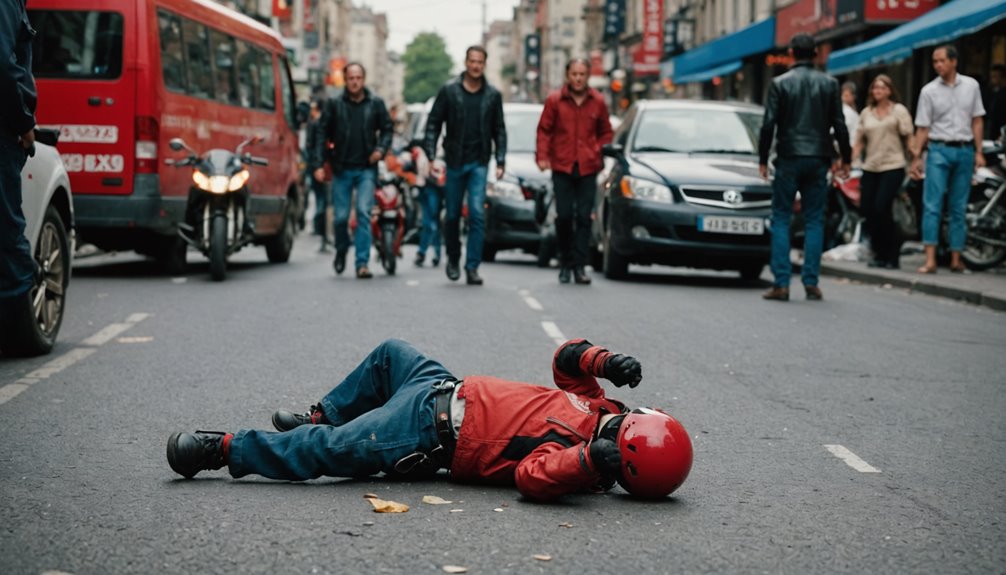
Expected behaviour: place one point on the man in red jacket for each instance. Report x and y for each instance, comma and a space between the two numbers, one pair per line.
549, 442
573, 127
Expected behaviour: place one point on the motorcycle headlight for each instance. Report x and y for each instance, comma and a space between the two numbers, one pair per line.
640, 189
201, 180
504, 190
237, 181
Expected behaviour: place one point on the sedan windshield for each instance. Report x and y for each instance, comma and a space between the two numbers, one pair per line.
697, 131
521, 130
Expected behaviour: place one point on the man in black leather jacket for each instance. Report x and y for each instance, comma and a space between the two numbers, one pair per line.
359, 128
804, 115
473, 113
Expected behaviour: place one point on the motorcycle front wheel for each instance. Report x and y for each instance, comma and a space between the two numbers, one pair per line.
218, 247
388, 260
979, 255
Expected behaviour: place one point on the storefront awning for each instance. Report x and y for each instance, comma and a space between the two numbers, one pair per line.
952, 20
724, 55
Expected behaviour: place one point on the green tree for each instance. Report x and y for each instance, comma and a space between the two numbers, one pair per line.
427, 67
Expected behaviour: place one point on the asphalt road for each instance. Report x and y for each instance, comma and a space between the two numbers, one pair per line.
911, 386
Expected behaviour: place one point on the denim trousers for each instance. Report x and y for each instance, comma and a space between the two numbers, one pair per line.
381, 412
808, 175
948, 174
470, 178
432, 199
364, 180
574, 202
17, 268
321, 202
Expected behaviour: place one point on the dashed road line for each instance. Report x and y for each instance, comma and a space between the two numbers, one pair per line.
553, 332
112, 330
851, 459
530, 300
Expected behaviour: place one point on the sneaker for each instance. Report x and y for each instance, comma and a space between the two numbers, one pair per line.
340, 261
580, 276
472, 277
420, 258
813, 293
435, 261
363, 273
190, 453
453, 269
777, 294
285, 420
565, 274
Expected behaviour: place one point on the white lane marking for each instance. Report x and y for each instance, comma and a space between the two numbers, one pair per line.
12, 390
553, 332
138, 339
851, 459
530, 300
179, 280
412, 283
112, 330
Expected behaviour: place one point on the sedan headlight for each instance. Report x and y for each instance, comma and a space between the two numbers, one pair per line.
504, 190
220, 184
640, 189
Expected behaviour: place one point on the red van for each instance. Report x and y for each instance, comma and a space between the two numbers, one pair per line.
121, 78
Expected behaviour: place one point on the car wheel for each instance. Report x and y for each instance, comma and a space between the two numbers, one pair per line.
546, 250
171, 255
751, 272
36, 317
278, 247
488, 253
615, 265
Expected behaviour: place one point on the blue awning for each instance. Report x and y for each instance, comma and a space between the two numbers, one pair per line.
708, 74
952, 20
724, 54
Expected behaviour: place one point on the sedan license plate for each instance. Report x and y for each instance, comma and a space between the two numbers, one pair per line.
732, 225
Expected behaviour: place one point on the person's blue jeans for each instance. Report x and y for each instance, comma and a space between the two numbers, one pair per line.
433, 202
808, 175
380, 413
948, 173
470, 178
17, 268
364, 181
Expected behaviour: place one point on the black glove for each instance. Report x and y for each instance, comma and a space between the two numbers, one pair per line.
622, 369
606, 457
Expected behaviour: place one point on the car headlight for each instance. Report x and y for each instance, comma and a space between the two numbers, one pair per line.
640, 189
504, 190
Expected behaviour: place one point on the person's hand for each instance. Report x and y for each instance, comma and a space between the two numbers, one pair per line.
606, 457
763, 171
844, 170
916, 171
28, 138
499, 172
375, 156
979, 160
621, 370
319, 174
544, 165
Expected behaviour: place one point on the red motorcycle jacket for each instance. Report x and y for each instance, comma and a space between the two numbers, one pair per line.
570, 134
533, 436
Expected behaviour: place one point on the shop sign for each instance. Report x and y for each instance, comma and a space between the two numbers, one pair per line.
878, 11
804, 17
646, 59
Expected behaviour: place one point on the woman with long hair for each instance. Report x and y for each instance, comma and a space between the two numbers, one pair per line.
884, 135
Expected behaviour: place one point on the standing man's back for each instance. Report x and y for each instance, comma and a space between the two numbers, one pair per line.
804, 115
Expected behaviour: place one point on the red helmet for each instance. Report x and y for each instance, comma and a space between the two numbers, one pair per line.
656, 453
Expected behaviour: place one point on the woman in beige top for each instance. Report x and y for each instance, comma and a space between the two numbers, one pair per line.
884, 133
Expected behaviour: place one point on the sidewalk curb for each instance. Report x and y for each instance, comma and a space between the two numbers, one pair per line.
976, 297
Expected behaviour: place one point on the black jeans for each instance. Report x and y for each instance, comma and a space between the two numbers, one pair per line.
878, 191
574, 202
17, 267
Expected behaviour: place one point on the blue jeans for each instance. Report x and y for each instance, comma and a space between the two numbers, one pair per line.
364, 180
433, 201
808, 175
17, 267
380, 413
471, 178
947, 170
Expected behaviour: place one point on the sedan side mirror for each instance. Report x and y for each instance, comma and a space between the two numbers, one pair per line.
612, 150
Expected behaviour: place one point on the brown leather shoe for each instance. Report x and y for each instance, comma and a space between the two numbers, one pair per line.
777, 293
814, 293
363, 273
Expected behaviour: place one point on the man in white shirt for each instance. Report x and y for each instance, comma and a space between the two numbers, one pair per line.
950, 118
849, 110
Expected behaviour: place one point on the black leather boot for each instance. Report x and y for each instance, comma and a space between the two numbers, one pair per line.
453, 269
190, 453
472, 277
580, 276
564, 274
284, 420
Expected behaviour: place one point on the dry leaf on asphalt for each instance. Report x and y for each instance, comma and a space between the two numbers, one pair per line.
543, 557
369, 496
454, 569
566, 525
382, 506
434, 500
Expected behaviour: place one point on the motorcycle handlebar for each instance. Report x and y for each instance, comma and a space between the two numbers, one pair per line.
258, 161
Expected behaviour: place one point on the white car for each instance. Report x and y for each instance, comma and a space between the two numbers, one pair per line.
31, 328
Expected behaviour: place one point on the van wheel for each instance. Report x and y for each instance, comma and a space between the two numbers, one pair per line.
278, 247
35, 317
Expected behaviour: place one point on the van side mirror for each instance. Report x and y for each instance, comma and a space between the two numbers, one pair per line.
612, 150
177, 144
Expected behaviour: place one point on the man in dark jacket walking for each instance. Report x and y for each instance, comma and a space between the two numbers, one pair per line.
573, 127
806, 107
322, 197
473, 113
359, 129
17, 140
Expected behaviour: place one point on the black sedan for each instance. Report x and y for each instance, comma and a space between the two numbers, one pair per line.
684, 190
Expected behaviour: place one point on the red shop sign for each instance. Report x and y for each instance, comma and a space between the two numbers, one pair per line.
896, 10
646, 59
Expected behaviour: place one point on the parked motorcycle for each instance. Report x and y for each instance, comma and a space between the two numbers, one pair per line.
215, 217
387, 220
843, 217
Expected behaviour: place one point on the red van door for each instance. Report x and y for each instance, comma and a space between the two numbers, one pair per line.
83, 65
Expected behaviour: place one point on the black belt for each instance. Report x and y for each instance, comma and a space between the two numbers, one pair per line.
955, 143
442, 455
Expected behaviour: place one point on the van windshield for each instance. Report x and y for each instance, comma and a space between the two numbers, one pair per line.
76, 44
